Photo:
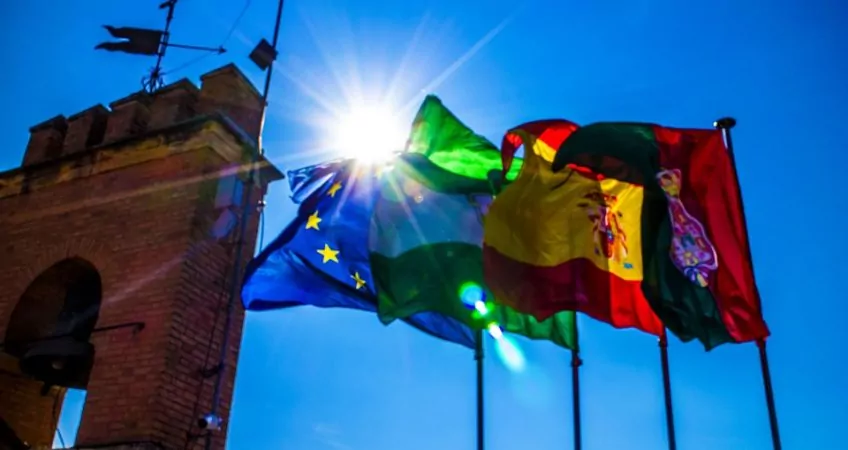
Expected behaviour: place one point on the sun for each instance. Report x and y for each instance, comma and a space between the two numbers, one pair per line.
370, 133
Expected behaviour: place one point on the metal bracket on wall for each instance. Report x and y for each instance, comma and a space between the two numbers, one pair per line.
136, 326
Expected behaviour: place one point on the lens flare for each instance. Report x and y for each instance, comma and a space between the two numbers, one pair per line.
471, 294
510, 354
371, 134
495, 331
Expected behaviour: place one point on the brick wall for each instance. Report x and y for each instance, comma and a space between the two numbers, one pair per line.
202, 302
130, 190
143, 228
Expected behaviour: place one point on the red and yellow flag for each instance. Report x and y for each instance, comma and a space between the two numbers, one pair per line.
634, 224
569, 240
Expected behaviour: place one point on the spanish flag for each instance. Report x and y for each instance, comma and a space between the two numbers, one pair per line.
635, 225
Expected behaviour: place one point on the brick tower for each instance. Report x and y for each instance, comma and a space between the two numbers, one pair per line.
117, 236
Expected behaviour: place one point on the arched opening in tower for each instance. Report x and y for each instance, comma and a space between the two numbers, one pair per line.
48, 336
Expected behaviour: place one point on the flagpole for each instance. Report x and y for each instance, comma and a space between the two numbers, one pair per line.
576, 362
478, 356
725, 124
669, 411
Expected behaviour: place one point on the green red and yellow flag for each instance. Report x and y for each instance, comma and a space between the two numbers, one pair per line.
635, 225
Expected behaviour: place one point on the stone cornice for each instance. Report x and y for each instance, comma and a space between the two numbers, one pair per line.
213, 132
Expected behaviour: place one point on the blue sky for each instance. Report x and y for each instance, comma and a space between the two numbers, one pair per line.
338, 379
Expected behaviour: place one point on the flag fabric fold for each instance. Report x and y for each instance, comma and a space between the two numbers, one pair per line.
403, 240
321, 258
701, 278
464, 157
426, 255
633, 224
552, 245
427, 230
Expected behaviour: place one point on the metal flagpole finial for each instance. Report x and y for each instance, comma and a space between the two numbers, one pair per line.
725, 123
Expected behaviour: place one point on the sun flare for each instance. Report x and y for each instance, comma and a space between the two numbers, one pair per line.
370, 133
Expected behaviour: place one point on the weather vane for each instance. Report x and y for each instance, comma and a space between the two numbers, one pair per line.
143, 41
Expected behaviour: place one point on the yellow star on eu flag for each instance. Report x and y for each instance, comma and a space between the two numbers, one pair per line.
312, 221
328, 254
334, 188
360, 283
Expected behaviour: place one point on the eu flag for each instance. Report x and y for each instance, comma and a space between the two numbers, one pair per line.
322, 257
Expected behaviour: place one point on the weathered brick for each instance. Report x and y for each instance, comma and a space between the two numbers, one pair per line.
45, 140
173, 104
129, 117
85, 129
228, 90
